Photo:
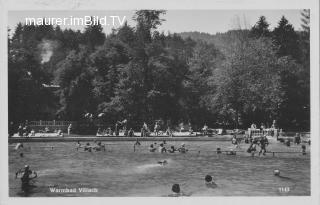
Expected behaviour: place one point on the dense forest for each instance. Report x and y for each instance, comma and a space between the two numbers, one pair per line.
228, 79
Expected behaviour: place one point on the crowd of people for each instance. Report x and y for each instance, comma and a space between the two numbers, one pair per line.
96, 146
162, 148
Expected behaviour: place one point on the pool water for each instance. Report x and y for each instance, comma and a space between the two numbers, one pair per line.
121, 171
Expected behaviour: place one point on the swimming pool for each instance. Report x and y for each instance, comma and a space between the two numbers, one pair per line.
119, 171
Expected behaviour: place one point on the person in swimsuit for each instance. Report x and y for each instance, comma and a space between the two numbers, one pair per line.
26, 177
172, 149
252, 148
130, 133
209, 182
162, 149
163, 162
152, 148
235, 141
137, 143
263, 144
87, 147
182, 149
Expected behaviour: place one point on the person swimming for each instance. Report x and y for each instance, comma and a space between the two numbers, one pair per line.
18, 146
234, 140
162, 149
176, 191
172, 149
163, 162
78, 145
152, 148
276, 172
231, 152
209, 182
219, 150
87, 147
303, 147
26, 177
99, 147
182, 148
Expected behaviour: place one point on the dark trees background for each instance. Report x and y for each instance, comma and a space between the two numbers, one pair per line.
225, 80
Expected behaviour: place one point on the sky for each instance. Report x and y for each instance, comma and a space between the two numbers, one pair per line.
208, 21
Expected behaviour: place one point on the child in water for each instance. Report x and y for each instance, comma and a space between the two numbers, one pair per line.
182, 149
176, 192
152, 148
209, 182
172, 149
234, 141
252, 148
162, 149
163, 162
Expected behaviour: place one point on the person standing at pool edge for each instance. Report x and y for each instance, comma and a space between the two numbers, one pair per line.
69, 128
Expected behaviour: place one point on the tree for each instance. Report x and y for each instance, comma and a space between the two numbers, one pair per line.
198, 88
75, 79
260, 29
93, 35
286, 38
147, 21
247, 84
305, 20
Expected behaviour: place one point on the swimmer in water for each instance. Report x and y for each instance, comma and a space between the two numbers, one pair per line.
209, 182
276, 172
26, 177
99, 147
18, 146
87, 147
231, 152
78, 145
303, 147
162, 149
182, 149
163, 162
176, 192
152, 148
234, 141
172, 149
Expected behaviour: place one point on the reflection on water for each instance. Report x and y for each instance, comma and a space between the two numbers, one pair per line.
121, 172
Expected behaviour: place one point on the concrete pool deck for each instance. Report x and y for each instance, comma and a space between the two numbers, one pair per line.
73, 138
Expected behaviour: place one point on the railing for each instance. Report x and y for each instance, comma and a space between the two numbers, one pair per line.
49, 123
258, 132
276, 132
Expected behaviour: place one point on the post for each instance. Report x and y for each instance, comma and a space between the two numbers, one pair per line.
40, 123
